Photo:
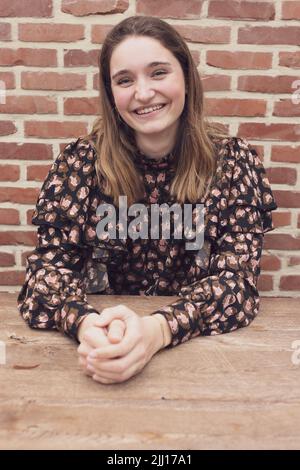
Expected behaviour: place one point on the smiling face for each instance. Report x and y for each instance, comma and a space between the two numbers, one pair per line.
149, 75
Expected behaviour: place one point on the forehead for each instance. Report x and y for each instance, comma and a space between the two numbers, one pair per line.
139, 51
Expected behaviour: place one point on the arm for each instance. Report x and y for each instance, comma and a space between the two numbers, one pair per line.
227, 298
53, 295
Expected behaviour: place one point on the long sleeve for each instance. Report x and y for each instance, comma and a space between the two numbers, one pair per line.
53, 295
227, 297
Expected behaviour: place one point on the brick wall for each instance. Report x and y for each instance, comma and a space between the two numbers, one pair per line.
247, 53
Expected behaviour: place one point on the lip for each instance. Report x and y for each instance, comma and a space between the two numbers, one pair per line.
153, 113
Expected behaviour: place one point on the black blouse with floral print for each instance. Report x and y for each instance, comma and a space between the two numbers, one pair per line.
216, 284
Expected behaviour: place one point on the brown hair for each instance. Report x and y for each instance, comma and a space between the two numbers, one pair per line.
194, 151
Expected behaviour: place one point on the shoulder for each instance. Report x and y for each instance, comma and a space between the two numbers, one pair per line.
78, 153
234, 147
72, 172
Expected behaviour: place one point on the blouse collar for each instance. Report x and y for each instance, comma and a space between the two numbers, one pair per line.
149, 163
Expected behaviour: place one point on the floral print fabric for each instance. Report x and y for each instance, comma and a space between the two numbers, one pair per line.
216, 285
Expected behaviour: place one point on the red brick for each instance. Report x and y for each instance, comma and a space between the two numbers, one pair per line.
286, 108
182, 9
265, 283
78, 58
54, 129
239, 60
204, 34
234, 107
53, 81
81, 106
285, 153
282, 241
12, 278
32, 8
281, 219
269, 35
241, 10
266, 84
12, 237
282, 175
9, 217
29, 215
8, 78
216, 82
43, 32
259, 130
7, 128
290, 59
37, 172
294, 261
291, 282
270, 263
287, 198
291, 10
28, 57
5, 31
29, 105
19, 195
7, 259
9, 172
94, 7
26, 151
99, 32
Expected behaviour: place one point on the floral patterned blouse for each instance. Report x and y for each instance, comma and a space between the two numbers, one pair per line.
216, 284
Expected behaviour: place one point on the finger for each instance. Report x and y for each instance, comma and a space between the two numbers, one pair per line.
117, 366
109, 314
132, 336
84, 349
95, 337
116, 331
83, 365
105, 379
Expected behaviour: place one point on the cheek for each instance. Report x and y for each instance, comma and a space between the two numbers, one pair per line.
122, 100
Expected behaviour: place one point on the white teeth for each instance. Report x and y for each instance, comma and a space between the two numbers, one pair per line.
149, 110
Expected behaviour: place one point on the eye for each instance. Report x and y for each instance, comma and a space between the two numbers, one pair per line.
160, 72
123, 80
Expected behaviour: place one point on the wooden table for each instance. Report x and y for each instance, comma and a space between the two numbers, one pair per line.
235, 391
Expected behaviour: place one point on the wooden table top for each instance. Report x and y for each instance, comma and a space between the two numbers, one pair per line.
233, 391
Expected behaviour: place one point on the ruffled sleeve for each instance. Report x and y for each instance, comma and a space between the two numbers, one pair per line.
53, 295
240, 207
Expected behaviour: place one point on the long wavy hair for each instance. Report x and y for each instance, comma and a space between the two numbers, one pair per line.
194, 150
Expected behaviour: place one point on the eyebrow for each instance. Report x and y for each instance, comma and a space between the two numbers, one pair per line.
152, 64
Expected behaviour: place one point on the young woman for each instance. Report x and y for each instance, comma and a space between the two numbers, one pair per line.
153, 145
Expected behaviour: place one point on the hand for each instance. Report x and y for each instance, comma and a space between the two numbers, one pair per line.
115, 363
91, 336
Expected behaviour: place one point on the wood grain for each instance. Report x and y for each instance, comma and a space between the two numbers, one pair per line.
234, 391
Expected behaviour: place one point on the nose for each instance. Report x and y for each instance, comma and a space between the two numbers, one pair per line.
143, 91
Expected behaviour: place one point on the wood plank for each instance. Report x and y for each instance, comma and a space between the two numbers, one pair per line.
233, 391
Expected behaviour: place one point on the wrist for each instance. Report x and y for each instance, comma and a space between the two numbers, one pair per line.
166, 334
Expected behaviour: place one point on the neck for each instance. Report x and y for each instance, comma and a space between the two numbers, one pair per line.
156, 148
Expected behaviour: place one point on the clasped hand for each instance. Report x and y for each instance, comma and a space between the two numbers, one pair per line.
117, 345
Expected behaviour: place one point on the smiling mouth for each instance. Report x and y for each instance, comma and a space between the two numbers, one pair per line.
151, 113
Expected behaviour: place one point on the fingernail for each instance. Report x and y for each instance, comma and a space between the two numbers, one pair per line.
92, 355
